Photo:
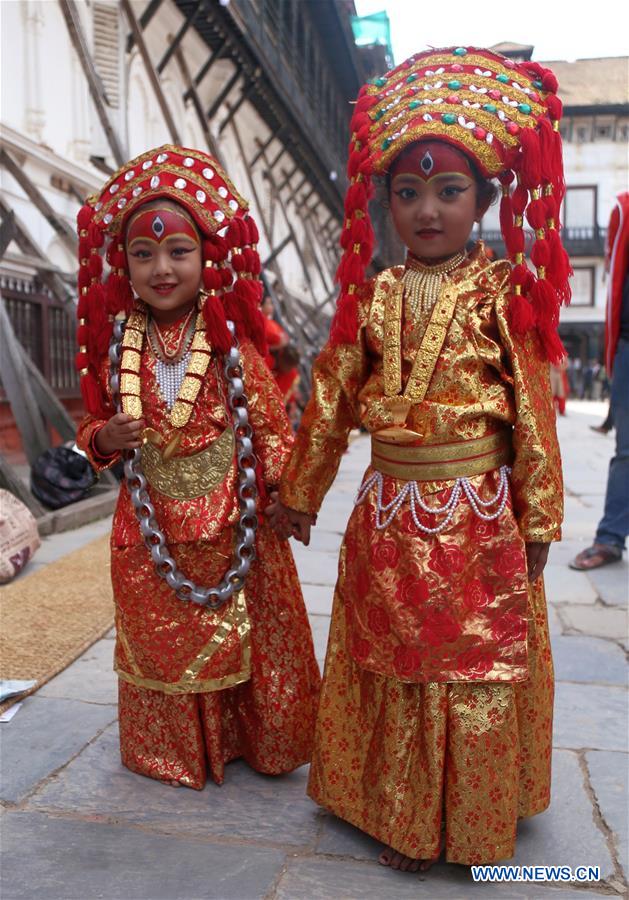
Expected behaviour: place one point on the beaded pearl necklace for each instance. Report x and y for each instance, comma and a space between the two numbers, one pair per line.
170, 366
385, 513
422, 282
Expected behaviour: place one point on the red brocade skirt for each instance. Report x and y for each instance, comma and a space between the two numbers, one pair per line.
200, 688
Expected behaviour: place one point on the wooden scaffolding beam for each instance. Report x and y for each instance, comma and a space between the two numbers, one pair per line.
153, 77
97, 91
67, 234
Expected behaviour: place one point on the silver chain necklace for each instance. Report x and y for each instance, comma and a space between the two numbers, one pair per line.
154, 537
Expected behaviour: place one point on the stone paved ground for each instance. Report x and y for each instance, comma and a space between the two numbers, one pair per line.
77, 825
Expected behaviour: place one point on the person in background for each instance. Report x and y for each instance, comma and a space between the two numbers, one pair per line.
613, 528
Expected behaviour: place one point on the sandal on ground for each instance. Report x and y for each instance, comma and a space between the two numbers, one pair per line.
596, 556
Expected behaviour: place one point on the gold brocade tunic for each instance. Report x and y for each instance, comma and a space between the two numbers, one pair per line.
450, 606
173, 646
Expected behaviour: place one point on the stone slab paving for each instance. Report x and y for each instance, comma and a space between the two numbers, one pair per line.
77, 825
73, 859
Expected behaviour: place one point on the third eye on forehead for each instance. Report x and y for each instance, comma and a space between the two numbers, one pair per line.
407, 178
180, 239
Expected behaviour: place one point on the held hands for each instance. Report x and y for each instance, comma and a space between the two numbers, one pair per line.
287, 522
121, 432
536, 558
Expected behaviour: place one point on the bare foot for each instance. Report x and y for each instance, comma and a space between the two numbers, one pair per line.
393, 859
174, 783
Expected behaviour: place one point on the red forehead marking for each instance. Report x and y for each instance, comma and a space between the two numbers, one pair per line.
430, 158
158, 224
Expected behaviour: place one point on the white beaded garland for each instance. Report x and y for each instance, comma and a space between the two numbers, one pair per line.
462, 487
170, 377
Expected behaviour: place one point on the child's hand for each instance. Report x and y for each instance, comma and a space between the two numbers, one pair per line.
536, 558
287, 522
121, 432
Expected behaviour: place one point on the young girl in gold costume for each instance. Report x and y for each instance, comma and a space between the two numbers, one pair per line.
435, 722
213, 649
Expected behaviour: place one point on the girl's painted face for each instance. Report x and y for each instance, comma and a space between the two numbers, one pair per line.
164, 258
434, 200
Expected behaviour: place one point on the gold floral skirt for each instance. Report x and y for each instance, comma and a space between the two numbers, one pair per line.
198, 689
405, 762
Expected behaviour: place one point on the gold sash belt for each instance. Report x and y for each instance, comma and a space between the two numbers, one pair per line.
441, 462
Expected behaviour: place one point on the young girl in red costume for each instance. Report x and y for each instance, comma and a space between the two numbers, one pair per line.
213, 649
435, 722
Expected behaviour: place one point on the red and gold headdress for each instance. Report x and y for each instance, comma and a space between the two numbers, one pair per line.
505, 117
196, 182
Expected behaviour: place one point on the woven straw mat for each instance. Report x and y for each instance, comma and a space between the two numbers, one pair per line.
52, 616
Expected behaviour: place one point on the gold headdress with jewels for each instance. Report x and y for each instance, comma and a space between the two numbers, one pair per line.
196, 182
502, 115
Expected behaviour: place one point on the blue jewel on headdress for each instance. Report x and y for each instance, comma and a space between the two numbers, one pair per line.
157, 227
427, 163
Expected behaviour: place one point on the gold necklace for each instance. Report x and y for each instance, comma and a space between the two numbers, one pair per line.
132, 345
157, 342
422, 283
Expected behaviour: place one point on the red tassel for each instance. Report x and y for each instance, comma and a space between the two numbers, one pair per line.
344, 327
253, 235
96, 236
356, 198
549, 82
540, 253
506, 222
554, 350
530, 161
545, 304
92, 395
520, 314
238, 262
519, 199
536, 214
118, 294
95, 265
212, 278
83, 278
216, 328
84, 217
559, 268
82, 309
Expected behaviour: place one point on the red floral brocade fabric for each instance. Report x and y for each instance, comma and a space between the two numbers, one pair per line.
451, 606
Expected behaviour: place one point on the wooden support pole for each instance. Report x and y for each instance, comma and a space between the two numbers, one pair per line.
10, 482
234, 109
276, 251
262, 147
205, 68
67, 234
191, 92
7, 232
51, 408
287, 177
28, 246
145, 18
97, 91
283, 149
194, 14
14, 376
150, 70
223, 95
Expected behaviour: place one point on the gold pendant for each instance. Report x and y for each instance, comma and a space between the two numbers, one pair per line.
187, 477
